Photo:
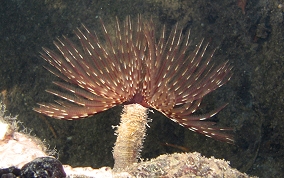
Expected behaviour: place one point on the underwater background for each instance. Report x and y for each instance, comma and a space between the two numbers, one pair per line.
249, 34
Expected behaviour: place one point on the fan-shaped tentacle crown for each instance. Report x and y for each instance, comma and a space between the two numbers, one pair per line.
133, 66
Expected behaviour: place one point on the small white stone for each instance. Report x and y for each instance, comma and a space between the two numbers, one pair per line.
4, 127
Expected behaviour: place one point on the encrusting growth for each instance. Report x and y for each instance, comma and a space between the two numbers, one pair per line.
135, 67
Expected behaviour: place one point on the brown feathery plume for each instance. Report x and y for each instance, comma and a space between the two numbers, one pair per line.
135, 68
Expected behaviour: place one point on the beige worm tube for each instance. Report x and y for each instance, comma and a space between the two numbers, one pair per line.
130, 135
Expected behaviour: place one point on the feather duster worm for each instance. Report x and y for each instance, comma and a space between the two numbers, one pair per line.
134, 67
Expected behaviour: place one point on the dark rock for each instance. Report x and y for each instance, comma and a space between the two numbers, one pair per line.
46, 167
